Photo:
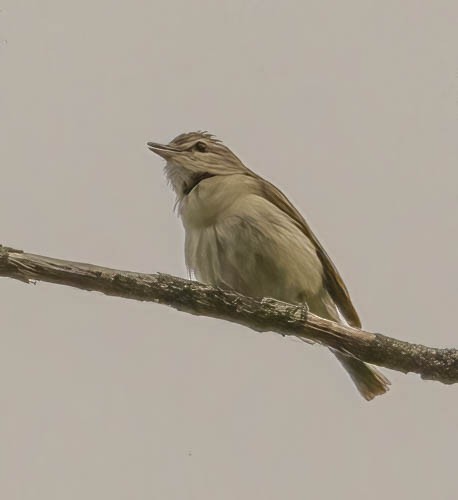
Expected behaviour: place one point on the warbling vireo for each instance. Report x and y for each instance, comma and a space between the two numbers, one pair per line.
243, 233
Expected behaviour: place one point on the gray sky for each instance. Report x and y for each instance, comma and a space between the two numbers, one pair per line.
351, 108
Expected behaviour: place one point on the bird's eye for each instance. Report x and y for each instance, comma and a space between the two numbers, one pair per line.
200, 146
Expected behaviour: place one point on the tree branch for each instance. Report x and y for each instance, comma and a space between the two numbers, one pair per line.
258, 314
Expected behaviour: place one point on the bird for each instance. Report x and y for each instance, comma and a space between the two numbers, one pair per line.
242, 233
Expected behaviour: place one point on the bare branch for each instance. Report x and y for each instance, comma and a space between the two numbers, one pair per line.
258, 314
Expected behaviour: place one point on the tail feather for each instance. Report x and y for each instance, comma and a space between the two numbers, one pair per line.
369, 381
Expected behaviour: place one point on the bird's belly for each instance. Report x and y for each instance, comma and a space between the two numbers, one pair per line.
257, 261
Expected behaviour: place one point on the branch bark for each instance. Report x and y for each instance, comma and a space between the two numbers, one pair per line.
262, 315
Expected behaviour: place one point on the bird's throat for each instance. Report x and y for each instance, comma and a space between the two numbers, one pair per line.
194, 181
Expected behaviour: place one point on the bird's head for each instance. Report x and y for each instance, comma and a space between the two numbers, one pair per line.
194, 156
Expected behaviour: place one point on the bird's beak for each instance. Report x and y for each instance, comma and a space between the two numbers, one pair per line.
162, 149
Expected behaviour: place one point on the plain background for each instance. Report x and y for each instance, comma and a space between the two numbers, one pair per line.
351, 108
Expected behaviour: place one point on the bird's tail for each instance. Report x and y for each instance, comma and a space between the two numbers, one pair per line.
369, 381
